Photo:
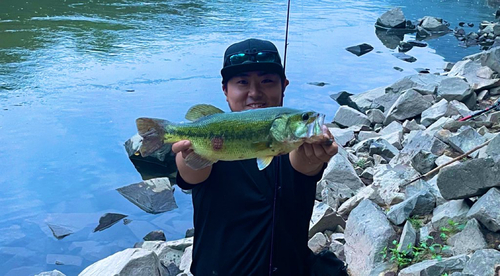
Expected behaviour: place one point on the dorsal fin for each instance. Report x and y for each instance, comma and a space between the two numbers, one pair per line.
201, 110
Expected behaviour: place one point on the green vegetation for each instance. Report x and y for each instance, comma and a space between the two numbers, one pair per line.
428, 248
361, 163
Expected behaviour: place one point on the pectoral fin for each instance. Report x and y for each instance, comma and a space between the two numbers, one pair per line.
262, 163
197, 162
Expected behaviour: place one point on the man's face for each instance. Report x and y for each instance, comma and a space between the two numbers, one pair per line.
255, 89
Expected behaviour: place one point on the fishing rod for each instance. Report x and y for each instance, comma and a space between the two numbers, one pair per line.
286, 34
494, 106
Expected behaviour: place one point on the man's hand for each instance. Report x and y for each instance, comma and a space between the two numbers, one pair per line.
183, 149
310, 157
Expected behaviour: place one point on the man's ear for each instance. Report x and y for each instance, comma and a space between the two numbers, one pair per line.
224, 88
285, 84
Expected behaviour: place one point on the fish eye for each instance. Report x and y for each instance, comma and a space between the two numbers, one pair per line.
305, 117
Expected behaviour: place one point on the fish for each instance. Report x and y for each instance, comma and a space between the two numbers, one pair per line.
228, 136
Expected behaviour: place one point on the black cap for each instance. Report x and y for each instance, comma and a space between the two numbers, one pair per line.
251, 46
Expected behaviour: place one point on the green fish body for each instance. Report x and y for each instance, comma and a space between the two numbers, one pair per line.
215, 135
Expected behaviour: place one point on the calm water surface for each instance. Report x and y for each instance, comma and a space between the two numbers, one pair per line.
66, 69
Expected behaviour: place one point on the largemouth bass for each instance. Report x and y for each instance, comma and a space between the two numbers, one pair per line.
215, 135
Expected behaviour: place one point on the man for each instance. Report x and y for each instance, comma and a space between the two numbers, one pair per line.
251, 222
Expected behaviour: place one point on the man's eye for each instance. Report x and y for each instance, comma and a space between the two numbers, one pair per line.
242, 82
267, 81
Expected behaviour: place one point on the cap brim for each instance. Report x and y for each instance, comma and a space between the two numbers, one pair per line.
232, 70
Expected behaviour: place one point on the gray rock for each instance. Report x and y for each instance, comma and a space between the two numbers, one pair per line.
340, 179
455, 210
324, 218
486, 210
490, 58
156, 235
465, 140
387, 181
426, 195
342, 136
434, 112
131, 261
434, 24
342, 98
54, 272
364, 135
365, 101
168, 257
483, 262
425, 84
454, 88
470, 239
376, 116
410, 125
477, 75
189, 233
494, 117
420, 140
393, 18
475, 175
408, 238
367, 173
424, 161
337, 248
408, 105
153, 196
434, 267
383, 148
59, 231
443, 159
367, 232
186, 259
360, 49
347, 116
108, 220
400, 212
493, 148
365, 193
318, 243
394, 127
180, 244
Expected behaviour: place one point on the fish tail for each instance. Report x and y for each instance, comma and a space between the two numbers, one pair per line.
152, 132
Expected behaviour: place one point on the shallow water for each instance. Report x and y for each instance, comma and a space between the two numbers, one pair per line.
75, 75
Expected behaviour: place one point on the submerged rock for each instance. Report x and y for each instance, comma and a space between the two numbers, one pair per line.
153, 196
360, 49
108, 220
59, 232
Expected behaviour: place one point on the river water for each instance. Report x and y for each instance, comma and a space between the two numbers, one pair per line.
74, 76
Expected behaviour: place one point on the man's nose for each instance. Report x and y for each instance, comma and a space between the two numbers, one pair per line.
254, 89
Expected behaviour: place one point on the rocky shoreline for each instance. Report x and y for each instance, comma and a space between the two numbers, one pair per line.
382, 206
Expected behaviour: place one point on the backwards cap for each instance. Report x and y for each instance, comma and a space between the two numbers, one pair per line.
251, 46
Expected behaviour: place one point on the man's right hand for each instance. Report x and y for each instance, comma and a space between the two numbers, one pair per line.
183, 146
183, 149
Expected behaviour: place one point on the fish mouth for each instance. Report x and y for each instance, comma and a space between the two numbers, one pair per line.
314, 132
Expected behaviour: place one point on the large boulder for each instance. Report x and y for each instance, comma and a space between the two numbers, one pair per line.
131, 261
476, 177
409, 104
367, 233
483, 262
347, 116
486, 210
393, 18
454, 88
